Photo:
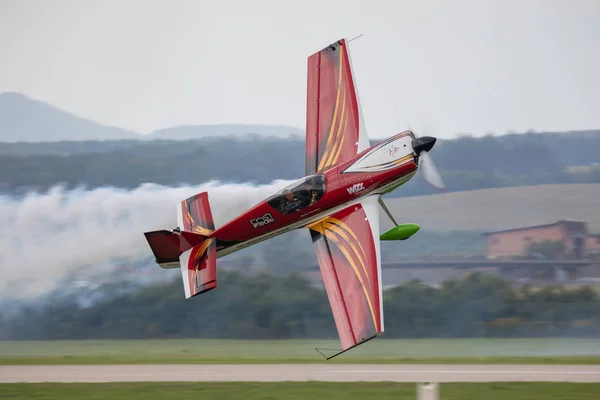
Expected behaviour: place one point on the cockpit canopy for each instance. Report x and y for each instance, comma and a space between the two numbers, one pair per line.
299, 194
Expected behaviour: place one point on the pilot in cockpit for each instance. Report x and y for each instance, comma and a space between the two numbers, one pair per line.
312, 190
290, 202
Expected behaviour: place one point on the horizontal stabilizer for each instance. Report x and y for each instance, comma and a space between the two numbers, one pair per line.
167, 246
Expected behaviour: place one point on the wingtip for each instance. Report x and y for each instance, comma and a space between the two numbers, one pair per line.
356, 37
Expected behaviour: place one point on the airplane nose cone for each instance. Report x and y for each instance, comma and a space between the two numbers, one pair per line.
424, 143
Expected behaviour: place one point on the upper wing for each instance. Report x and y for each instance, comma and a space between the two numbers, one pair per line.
347, 245
335, 130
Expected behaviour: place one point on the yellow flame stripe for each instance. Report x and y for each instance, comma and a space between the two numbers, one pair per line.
194, 226
201, 251
344, 235
337, 101
337, 141
404, 159
198, 255
316, 223
350, 231
339, 244
201, 230
337, 154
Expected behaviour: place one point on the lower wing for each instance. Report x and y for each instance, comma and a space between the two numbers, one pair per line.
348, 252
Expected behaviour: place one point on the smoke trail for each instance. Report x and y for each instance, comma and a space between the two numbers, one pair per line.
44, 237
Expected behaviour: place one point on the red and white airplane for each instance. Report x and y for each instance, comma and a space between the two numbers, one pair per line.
337, 201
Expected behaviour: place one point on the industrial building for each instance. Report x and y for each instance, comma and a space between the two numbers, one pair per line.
577, 242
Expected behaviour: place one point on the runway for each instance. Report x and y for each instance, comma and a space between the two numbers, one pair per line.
300, 372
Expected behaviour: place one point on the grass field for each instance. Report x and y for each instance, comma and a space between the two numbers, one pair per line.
183, 351
297, 391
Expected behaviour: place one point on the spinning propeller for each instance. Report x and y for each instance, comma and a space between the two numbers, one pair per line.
422, 145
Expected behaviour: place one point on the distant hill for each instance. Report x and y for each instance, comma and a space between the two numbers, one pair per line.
236, 130
23, 119
465, 163
26, 120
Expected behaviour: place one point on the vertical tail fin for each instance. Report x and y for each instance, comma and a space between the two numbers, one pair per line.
194, 215
190, 247
198, 264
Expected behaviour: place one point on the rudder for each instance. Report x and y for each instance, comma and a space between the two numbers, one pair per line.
167, 246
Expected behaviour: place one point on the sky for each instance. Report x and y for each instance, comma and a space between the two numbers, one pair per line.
446, 67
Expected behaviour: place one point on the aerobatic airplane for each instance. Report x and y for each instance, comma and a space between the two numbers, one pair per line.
337, 201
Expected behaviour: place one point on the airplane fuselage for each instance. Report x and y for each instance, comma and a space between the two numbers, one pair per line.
337, 201
378, 169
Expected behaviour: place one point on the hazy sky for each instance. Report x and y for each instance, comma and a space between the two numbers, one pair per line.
457, 66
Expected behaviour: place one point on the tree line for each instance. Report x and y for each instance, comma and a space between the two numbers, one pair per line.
253, 306
466, 163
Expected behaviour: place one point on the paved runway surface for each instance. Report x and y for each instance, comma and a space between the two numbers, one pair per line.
301, 372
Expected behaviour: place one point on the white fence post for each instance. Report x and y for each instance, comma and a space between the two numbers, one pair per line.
428, 391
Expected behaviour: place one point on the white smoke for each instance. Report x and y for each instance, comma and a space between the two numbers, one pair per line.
46, 236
